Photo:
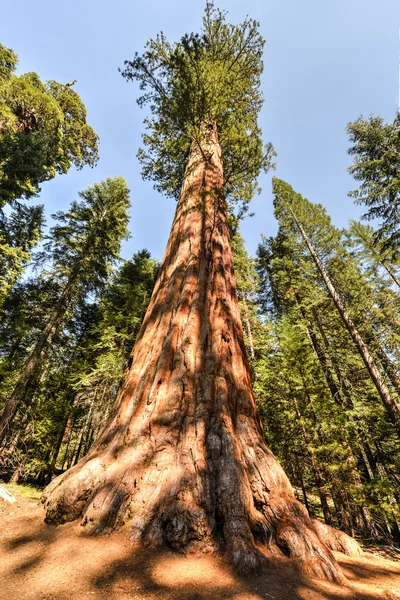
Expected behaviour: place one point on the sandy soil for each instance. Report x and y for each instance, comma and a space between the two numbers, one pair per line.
41, 562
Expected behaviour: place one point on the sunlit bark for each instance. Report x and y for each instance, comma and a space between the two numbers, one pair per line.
182, 462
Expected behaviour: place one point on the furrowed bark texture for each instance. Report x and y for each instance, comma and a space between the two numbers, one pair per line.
182, 462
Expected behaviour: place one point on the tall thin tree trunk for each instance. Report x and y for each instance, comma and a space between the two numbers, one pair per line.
389, 271
32, 366
337, 397
321, 355
248, 328
66, 451
389, 402
182, 461
366, 452
84, 429
389, 367
345, 403
302, 484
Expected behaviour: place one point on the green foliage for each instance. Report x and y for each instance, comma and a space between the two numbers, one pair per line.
25, 312
85, 243
244, 266
121, 311
321, 411
8, 62
376, 160
43, 131
80, 372
246, 285
81, 250
319, 228
208, 78
19, 232
371, 256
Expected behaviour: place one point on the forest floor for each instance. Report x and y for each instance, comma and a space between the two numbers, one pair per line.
42, 562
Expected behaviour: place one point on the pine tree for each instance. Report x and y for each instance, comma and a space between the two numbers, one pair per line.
81, 249
95, 377
362, 241
193, 471
313, 360
376, 151
19, 233
80, 373
287, 200
246, 284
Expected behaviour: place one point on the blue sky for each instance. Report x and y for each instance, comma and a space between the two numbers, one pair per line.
326, 62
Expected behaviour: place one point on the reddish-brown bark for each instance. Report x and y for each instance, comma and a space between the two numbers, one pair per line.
182, 461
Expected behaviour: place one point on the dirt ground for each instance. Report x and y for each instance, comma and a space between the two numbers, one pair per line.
41, 562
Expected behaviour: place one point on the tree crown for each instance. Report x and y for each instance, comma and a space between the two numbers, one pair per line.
376, 165
86, 240
43, 131
313, 216
208, 78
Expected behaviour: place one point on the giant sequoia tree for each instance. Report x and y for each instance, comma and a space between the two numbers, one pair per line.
182, 461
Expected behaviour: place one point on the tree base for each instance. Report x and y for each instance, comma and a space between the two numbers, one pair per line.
204, 513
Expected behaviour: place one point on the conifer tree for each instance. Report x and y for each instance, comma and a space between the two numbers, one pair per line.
286, 200
246, 283
81, 249
326, 376
81, 373
376, 160
362, 240
43, 131
19, 232
95, 377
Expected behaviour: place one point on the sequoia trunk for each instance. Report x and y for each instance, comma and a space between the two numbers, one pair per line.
182, 461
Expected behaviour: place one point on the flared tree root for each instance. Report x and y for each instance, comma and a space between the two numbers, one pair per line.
204, 509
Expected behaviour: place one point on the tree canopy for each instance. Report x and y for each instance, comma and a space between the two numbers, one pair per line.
376, 162
207, 78
43, 131
86, 240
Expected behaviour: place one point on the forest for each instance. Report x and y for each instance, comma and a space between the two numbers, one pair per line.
208, 401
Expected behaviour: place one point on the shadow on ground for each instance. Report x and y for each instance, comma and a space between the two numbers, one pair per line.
41, 562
